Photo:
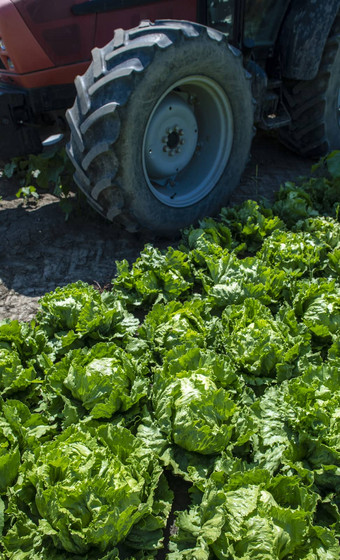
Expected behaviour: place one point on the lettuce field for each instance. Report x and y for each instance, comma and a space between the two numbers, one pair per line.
211, 369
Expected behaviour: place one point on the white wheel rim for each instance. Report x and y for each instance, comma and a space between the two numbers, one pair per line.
187, 141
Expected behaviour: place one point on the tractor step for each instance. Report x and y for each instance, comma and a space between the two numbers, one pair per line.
273, 121
52, 140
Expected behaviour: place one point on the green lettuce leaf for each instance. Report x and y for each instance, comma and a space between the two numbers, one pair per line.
88, 489
251, 515
298, 254
78, 315
9, 455
192, 412
104, 379
250, 224
156, 276
262, 346
14, 376
176, 324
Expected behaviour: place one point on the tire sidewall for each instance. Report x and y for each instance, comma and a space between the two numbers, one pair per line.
332, 118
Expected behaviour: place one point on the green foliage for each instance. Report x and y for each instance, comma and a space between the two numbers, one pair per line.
154, 277
50, 170
317, 195
229, 377
27, 193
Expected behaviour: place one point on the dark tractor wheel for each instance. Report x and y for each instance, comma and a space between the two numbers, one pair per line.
162, 125
314, 105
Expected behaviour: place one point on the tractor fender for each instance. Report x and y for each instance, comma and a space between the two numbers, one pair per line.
303, 37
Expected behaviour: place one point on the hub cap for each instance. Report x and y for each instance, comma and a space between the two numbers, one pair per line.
187, 141
171, 138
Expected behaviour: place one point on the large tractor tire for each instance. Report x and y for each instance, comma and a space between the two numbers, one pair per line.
162, 125
314, 105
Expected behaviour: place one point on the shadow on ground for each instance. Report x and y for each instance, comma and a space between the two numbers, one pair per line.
40, 250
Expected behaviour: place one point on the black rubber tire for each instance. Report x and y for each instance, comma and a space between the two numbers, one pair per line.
313, 105
115, 98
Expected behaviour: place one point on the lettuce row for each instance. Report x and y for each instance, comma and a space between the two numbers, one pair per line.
218, 362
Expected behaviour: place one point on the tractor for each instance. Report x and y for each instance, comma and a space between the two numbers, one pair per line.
164, 113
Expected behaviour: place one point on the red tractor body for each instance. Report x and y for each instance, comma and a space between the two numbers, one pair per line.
44, 45
48, 43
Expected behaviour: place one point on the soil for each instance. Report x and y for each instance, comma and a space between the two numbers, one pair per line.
40, 250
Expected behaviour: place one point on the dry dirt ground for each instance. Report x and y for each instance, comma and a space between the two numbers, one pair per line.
39, 250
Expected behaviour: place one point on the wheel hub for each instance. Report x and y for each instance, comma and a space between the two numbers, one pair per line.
187, 141
171, 138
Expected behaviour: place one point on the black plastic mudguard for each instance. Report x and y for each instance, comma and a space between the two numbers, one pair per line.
18, 134
303, 37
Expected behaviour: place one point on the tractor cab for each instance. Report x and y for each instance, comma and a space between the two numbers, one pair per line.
247, 23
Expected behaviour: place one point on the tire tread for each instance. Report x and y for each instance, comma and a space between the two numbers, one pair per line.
305, 101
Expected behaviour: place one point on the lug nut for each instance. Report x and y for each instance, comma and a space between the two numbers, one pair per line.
164, 139
178, 150
181, 141
180, 132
